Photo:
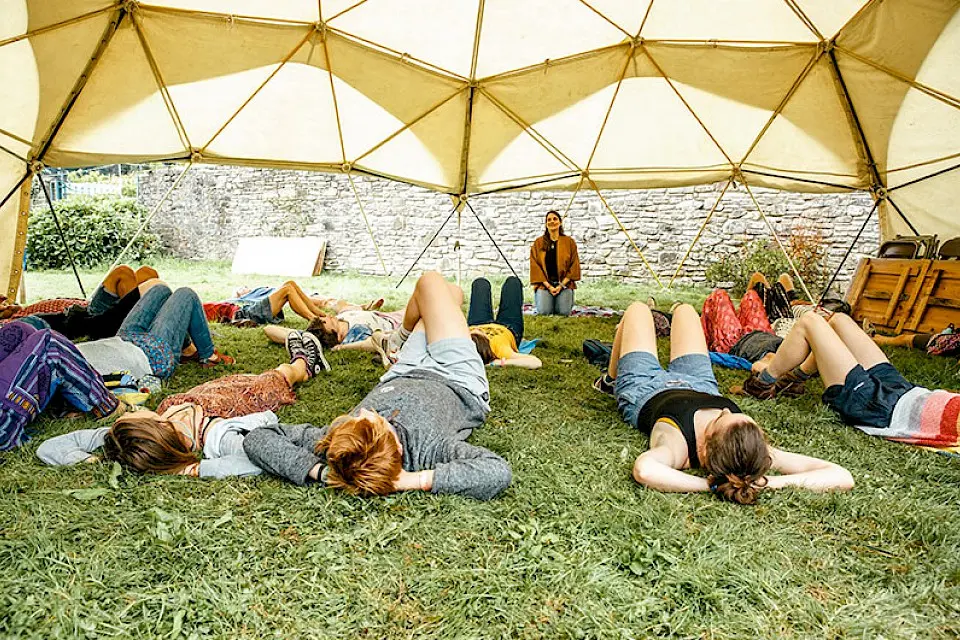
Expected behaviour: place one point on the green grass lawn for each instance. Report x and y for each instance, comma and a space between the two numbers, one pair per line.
574, 548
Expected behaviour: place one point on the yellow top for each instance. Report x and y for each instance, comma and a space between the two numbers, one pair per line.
502, 342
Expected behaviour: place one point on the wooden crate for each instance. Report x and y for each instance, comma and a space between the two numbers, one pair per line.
906, 296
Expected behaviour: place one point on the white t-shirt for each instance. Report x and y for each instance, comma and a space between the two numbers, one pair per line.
376, 320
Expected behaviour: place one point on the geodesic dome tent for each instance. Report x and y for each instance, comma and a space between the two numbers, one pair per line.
474, 96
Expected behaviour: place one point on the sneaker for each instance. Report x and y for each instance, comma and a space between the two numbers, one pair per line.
755, 387
306, 346
603, 386
381, 342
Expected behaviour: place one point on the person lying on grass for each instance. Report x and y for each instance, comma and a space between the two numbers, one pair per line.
211, 419
496, 339
691, 425
861, 384
265, 305
151, 338
410, 431
78, 323
348, 329
36, 366
119, 283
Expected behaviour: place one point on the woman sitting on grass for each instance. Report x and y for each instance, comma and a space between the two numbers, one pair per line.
410, 431
211, 419
861, 384
37, 365
691, 425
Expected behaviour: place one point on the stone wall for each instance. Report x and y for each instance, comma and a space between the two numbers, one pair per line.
214, 206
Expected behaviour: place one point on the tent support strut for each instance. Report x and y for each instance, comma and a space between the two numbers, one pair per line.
846, 255
63, 239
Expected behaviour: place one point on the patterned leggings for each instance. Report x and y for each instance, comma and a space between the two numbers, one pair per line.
35, 365
723, 325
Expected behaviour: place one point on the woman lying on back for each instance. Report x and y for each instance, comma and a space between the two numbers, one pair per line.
691, 425
211, 419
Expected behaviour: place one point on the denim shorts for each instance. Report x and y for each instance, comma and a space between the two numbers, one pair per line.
640, 377
454, 359
259, 311
867, 397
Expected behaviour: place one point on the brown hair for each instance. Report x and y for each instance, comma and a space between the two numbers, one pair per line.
328, 338
482, 343
546, 232
737, 462
362, 455
147, 445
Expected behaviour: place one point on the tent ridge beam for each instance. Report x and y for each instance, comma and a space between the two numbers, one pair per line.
397, 56
612, 23
109, 31
807, 22
927, 177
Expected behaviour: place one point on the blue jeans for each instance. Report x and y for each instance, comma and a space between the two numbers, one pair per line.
171, 317
550, 305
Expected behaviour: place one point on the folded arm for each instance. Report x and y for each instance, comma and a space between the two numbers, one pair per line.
798, 470
286, 451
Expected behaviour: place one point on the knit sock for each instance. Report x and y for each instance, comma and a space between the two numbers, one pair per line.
766, 378
398, 337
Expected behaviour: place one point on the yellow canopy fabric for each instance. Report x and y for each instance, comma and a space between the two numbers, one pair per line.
474, 96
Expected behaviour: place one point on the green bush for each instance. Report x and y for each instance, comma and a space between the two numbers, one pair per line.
805, 247
97, 229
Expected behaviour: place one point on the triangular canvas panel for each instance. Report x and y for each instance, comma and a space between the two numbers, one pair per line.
292, 119
899, 35
120, 112
733, 90
503, 153
649, 127
730, 20
930, 205
449, 48
811, 139
381, 93
828, 16
515, 35
32, 101
924, 139
566, 102
626, 14
428, 153
237, 58
44, 13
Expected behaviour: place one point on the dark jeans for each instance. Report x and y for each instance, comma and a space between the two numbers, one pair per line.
510, 313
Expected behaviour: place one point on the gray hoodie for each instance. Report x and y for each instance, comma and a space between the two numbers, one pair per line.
432, 418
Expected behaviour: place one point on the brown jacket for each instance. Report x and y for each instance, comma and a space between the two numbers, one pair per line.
568, 262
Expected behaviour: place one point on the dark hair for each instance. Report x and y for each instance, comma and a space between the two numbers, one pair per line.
329, 338
737, 462
482, 343
546, 233
362, 455
147, 445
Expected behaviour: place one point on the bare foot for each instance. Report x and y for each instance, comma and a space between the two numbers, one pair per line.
373, 305
762, 363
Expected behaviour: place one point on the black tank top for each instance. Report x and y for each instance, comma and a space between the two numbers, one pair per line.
678, 407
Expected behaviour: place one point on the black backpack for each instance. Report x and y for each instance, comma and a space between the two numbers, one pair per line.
598, 353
